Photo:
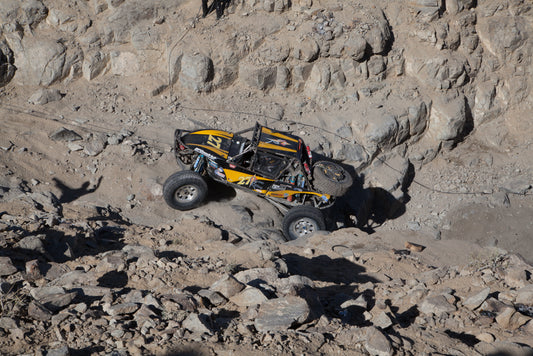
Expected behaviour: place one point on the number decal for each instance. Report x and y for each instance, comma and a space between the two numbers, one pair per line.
214, 141
244, 180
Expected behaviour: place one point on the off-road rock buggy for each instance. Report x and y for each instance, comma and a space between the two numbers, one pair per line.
273, 164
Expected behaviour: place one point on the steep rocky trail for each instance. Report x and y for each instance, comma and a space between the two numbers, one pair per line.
427, 102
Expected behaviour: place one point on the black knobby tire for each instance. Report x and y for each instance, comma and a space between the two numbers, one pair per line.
184, 190
331, 178
302, 221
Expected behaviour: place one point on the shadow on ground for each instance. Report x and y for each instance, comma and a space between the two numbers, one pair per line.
69, 194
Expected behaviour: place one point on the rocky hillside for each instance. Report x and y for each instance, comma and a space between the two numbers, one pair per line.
427, 101
90, 282
405, 79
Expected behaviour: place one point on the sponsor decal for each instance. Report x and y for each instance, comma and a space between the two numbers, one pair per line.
278, 142
210, 156
220, 173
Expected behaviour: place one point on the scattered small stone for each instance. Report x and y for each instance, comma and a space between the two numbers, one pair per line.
248, 297
6, 266
525, 295
476, 300
414, 225
198, 323
376, 343
228, 286
62, 351
39, 312
414, 247
122, 309
437, 305
7, 323
485, 337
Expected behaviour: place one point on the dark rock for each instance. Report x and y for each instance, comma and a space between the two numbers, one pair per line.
39, 312
281, 313
64, 134
214, 298
122, 309
32, 243
56, 302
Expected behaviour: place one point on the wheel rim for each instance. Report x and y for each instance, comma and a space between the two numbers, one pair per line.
333, 172
303, 226
186, 193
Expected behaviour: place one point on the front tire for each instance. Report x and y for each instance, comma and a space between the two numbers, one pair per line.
184, 190
302, 221
331, 178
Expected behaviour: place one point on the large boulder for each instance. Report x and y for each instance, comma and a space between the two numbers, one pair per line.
355, 46
447, 118
280, 314
272, 51
379, 36
196, 72
485, 103
319, 78
121, 21
428, 10
502, 35
455, 6
260, 77
25, 13
434, 68
39, 60
94, 64
376, 130
306, 50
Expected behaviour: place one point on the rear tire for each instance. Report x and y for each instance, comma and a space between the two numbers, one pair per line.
184, 190
331, 178
302, 221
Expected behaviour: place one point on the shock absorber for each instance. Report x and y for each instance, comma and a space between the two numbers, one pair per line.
198, 166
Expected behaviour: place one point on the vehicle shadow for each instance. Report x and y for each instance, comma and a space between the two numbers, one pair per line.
329, 299
364, 208
219, 192
324, 268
